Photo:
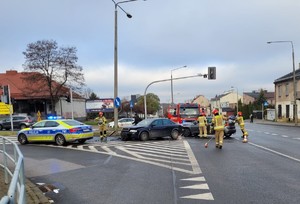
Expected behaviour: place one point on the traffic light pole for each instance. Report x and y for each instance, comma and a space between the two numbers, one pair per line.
10, 109
186, 77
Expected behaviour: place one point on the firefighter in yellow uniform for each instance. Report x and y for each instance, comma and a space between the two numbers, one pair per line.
202, 125
102, 126
218, 124
240, 121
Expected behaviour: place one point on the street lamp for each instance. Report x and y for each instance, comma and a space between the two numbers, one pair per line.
172, 96
117, 4
237, 99
294, 79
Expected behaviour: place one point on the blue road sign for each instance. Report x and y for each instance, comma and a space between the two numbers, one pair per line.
131, 104
266, 103
117, 102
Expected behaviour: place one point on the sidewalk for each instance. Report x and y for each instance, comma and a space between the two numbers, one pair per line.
267, 122
33, 194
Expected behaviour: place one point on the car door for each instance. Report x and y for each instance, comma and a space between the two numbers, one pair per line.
36, 131
157, 129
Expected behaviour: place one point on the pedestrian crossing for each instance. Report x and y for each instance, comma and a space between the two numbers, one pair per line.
175, 155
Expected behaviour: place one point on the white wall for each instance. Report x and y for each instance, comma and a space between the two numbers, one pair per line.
64, 108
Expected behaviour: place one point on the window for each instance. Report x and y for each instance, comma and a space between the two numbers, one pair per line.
279, 91
51, 124
286, 89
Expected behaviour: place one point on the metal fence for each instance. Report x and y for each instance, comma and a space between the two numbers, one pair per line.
12, 164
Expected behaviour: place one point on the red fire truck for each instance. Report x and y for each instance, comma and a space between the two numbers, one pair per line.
184, 112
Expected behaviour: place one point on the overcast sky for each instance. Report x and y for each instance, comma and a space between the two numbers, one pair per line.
161, 36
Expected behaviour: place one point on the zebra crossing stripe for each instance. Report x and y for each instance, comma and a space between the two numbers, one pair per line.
130, 152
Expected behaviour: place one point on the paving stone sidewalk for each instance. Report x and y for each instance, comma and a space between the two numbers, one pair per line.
33, 194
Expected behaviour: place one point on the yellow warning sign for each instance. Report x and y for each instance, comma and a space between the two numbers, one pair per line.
5, 109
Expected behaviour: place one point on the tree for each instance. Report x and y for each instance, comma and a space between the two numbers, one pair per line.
51, 69
153, 104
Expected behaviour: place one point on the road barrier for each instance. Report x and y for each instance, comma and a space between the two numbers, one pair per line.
13, 166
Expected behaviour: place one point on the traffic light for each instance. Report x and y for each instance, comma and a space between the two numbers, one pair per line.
5, 95
68, 99
211, 72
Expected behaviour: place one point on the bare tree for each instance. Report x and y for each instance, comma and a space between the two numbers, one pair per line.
52, 70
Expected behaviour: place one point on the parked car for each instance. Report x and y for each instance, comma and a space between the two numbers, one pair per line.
19, 122
152, 128
123, 122
58, 131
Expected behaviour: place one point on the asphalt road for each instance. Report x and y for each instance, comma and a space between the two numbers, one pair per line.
264, 170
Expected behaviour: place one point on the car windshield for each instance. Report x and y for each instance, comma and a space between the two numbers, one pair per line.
189, 111
145, 122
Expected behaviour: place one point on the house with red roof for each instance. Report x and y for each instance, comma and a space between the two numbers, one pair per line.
28, 98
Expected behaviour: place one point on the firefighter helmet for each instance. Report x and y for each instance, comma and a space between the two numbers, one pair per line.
215, 111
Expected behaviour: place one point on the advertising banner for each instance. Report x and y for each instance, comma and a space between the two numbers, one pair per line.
104, 105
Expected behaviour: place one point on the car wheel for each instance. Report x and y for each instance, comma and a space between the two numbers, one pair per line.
187, 132
175, 134
22, 139
22, 126
227, 135
60, 140
81, 141
144, 136
1, 127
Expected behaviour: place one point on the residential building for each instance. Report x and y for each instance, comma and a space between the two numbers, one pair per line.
30, 102
284, 97
250, 97
226, 102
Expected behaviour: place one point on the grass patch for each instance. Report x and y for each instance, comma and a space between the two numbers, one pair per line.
8, 133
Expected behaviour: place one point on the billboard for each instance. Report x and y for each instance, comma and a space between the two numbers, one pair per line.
104, 105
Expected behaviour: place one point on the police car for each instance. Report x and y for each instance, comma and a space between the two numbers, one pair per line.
59, 131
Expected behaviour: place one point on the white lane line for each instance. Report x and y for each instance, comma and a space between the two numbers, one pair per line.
296, 138
108, 150
195, 165
275, 152
160, 156
130, 152
152, 151
284, 136
161, 149
92, 148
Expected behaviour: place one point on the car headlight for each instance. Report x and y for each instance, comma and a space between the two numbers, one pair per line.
133, 131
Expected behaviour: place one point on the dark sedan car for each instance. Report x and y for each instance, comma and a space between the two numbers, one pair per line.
152, 128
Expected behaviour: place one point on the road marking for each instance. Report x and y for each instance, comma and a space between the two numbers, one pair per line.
201, 178
195, 165
275, 152
197, 186
284, 136
202, 196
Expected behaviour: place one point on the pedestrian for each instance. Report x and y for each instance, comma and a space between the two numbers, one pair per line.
240, 121
251, 118
218, 123
137, 119
202, 125
102, 126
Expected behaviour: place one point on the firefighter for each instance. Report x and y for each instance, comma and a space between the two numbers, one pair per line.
202, 125
218, 123
102, 126
240, 121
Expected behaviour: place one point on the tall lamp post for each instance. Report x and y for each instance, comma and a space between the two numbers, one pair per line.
117, 4
294, 79
172, 95
237, 99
